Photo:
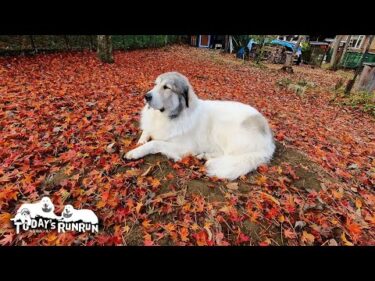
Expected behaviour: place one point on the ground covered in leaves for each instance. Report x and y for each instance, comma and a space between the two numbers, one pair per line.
66, 120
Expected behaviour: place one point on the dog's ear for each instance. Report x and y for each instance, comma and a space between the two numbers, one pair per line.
186, 95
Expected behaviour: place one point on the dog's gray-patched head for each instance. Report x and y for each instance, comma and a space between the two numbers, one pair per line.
47, 205
170, 94
68, 211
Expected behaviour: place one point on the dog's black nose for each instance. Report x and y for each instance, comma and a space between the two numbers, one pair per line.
148, 97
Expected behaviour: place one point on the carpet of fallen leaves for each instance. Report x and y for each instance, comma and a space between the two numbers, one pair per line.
66, 120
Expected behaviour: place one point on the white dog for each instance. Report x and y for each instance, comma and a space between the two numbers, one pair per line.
23, 215
43, 208
73, 215
233, 137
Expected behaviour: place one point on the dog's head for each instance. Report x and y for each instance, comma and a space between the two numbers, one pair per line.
47, 205
68, 211
172, 93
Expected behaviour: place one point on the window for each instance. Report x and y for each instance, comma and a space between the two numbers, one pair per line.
356, 41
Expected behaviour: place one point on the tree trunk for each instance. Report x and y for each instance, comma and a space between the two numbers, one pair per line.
226, 43
91, 43
105, 48
32, 43
350, 84
334, 58
345, 49
230, 44
260, 52
67, 45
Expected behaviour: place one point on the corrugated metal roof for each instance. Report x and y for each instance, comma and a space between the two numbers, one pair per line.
318, 43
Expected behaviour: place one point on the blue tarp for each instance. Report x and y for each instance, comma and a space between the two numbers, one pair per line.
286, 44
250, 44
241, 53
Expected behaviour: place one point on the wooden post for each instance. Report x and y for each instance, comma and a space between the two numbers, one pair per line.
334, 59
350, 84
367, 79
345, 49
288, 66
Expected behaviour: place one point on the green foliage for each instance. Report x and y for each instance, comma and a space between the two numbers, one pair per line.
283, 82
259, 38
80, 42
364, 100
306, 51
142, 41
305, 46
302, 82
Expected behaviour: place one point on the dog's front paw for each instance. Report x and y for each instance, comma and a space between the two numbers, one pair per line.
175, 158
141, 141
133, 154
201, 156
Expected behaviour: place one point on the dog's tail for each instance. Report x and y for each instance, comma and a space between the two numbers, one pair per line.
233, 166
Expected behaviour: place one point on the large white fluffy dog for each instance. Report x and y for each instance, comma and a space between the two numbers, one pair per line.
233, 137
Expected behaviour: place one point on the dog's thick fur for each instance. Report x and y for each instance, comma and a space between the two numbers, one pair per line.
233, 137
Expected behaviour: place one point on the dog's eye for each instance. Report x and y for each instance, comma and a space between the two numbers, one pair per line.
165, 87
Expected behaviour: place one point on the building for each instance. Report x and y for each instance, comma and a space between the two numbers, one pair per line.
356, 47
208, 41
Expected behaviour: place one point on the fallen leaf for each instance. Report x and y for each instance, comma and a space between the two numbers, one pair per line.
138, 207
232, 186
289, 233
307, 238
184, 232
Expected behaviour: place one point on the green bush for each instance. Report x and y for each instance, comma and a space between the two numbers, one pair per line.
79, 42
306, 51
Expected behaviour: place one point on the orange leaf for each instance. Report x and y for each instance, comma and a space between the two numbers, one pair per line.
261, 180
184, 232
358, 203
308, 238
201, 238
8, 239
346, 242
138, 207
146, 223
263, 169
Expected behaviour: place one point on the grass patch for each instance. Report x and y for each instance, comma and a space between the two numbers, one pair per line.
361, 100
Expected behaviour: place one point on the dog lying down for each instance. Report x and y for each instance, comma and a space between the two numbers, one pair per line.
233, 137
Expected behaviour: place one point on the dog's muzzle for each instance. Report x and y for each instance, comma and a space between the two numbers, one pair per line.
67, 215
46, 209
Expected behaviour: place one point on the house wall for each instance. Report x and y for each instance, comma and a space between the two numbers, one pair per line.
372, 47
363, 45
